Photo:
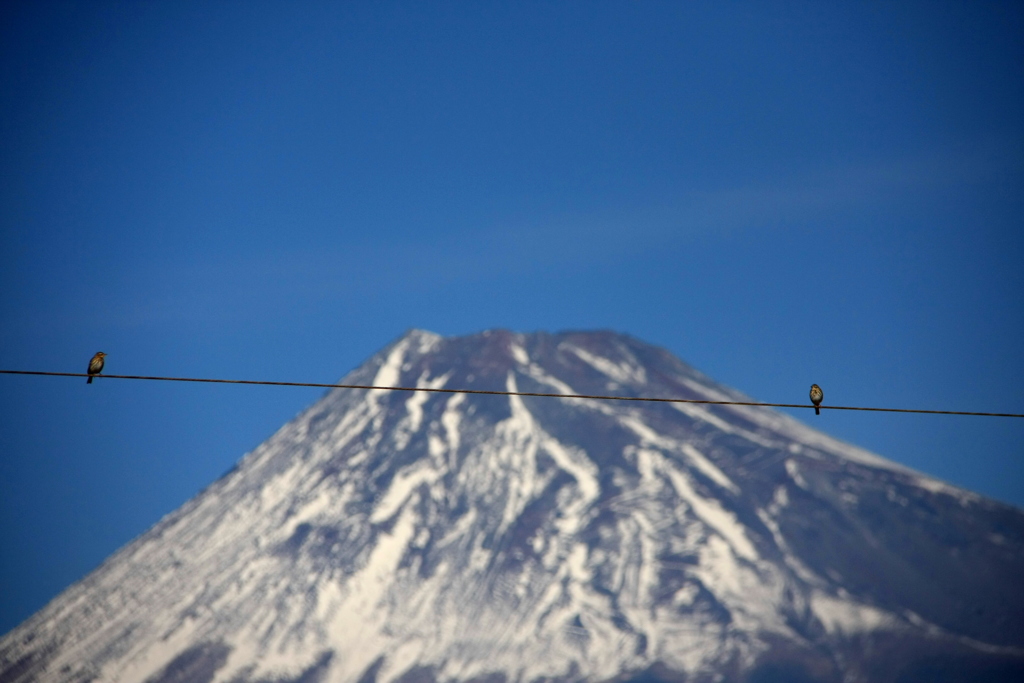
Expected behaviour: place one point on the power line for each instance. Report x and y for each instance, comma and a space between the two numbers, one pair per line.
649, 399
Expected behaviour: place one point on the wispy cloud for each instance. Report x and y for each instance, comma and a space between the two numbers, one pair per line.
264, 284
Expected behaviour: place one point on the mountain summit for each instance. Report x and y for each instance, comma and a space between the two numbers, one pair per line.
397, 536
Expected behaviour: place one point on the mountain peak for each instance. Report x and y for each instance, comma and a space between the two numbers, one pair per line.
390, 535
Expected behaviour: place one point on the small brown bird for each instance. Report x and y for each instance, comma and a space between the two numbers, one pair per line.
816, 395
95, 366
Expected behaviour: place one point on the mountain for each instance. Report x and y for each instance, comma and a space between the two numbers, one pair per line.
398, 536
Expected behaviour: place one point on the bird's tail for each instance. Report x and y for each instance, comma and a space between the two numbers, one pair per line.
816, 410
89, 381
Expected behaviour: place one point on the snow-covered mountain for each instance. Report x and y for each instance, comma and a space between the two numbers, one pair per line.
397, 536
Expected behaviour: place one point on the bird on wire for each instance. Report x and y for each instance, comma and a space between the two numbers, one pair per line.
816, 395
95, 366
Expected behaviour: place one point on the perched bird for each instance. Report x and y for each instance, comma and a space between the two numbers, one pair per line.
95, 366
816, 395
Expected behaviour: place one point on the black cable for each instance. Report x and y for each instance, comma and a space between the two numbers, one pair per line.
508, 393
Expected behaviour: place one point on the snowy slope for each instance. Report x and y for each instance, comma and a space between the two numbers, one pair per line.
416, 536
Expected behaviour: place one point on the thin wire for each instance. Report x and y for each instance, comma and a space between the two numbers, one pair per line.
508, 393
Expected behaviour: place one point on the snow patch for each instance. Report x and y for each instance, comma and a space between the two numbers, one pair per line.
793, 470
647, 435
450, 420
936, 486
576, 463
520, 355
708, 468
402, 486
537, 373
411, 423
845, 617
358, 622
699, 412
798, 567
626, 373
426, 341
722, 522
391, 370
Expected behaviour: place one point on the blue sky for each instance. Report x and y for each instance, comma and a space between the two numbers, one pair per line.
779, 193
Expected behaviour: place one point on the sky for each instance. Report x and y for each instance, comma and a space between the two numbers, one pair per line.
778, 193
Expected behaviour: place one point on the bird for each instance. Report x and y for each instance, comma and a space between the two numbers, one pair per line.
816, 395
95, 366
